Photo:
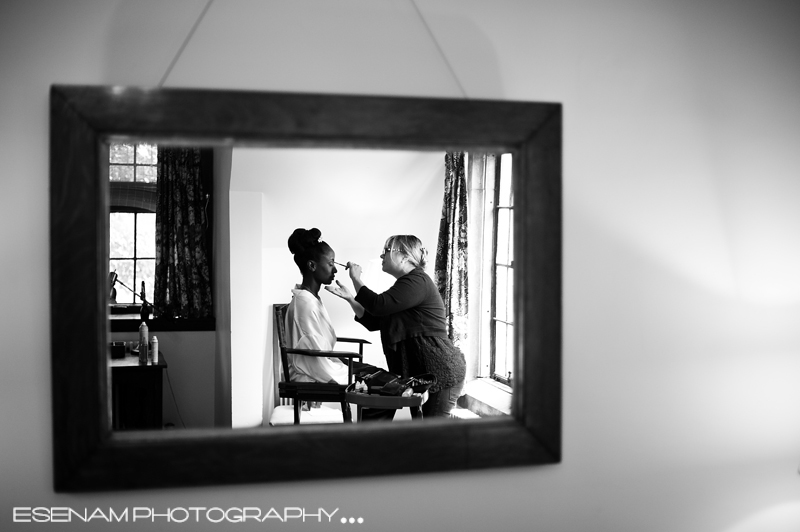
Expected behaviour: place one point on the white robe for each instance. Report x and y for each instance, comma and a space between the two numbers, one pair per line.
308, 326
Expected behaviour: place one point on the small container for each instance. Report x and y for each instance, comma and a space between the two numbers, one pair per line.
143, 341
154, 350
117, 350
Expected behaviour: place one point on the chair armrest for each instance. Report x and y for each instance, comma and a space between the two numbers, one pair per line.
345, 357
311, 387
320, 353
353, 340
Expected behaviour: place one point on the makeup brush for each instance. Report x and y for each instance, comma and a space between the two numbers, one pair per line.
345, 266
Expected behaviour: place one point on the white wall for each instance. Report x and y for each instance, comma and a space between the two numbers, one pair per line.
681, 299
248, 314
188, 383
357, 198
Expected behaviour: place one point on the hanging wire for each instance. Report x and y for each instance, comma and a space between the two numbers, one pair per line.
413, 3
441, 51
185, 42
174, 401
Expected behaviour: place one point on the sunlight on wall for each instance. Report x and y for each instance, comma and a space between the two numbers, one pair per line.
783, 517
750, 399
767, 247
702, 180
741, 244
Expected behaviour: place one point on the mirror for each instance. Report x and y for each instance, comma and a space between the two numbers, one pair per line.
84, 120
357, 197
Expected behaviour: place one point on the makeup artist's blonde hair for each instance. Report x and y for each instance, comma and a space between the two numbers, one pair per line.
411, 248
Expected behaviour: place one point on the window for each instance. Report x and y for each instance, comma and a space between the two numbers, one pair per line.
502, 282
491, 240
132, 220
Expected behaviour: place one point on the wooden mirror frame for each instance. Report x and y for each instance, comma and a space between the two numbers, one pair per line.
88, 456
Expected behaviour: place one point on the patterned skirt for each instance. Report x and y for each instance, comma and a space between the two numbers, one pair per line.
428, 354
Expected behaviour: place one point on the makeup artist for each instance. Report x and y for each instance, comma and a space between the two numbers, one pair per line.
411, 319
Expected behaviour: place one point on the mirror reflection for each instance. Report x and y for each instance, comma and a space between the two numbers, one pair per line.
205, 265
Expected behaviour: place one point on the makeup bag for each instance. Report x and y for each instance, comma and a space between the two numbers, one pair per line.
384, 382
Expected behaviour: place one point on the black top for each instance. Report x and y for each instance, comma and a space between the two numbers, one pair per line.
411, 318
412, 307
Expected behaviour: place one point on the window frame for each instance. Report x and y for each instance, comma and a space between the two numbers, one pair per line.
135, 306
496, 208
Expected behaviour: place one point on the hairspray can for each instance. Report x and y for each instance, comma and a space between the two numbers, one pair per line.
154, 351
143, 340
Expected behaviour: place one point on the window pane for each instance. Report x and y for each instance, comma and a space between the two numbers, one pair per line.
124, 269
501, 294
503, 349
510, 295
146, 235
506, 197
511, 236
509, 358
146, 154
491, 160
121, 153
503, 234
145, 272
120, 172
121, 235
146, 174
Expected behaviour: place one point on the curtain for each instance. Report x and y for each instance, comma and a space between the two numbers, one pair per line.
451, 250
183, 278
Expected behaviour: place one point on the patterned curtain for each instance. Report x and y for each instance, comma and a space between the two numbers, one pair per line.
451, 250
183, 279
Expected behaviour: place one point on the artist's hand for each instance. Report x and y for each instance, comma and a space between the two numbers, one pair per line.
355, 272
339, 290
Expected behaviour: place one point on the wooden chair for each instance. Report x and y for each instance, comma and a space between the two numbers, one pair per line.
298, 392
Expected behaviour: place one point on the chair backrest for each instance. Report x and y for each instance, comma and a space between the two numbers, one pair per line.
280, 334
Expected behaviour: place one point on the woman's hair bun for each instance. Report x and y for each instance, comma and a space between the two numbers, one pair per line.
302, 240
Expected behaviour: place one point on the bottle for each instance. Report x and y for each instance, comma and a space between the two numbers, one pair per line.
143, 340
144, 313
154, 351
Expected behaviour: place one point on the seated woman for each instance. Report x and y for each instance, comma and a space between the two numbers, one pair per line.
308, 325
